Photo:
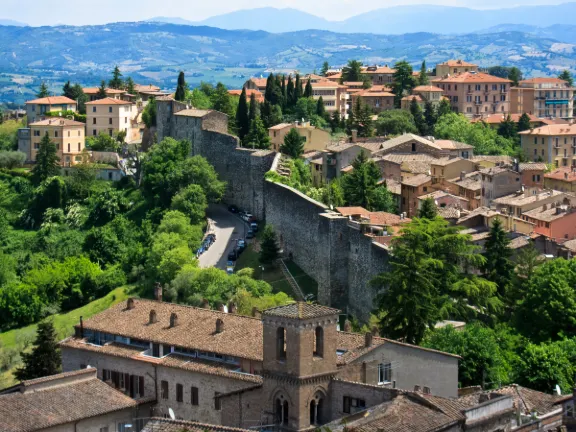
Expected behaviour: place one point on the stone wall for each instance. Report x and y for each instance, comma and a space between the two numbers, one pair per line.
372, 395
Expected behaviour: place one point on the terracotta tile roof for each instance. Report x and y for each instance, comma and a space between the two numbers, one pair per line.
373, 93
494, 159
547, 215
440, 194
449, 212
445, 161
528, 400
60, 404
402, 139
368, 70
193, 112
456, 63
389, 219
527, 198
418, 98
336, 148
417, 180
480, 211
370, 146
393, 186
57, 121
566, 174
249, 92
416, 167
532, 166
543, 80
452, 145
52, 100
399, 157
352, 211
495, 119
146, 88
301, 310
427, 88
327, 83
195, 330
570, 245
167, 425
280, 126
519, 242
471, 77
471, 181
109, 101
552, 130
94, 90
259, 82
193, 364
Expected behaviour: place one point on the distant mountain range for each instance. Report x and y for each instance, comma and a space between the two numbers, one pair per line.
156, 52
9, 22
392, 20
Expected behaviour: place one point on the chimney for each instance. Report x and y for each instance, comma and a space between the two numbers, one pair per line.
354, 133
158, 291
565, 176
130, 304
153, 318
375, 331
544, 207
221, 307
462, 175
368, 339
81, 328
219, 326
232, 308
255, 312
205, 304
173, 320
347, 326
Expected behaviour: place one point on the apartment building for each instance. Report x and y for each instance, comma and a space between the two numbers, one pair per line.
111, 115
66, 134
543, 97
468, 186
552, 144
475, 94
449, 168
497, 182
92, 93
258, 95
36, 109
556, 221
562, 179
422, 95
520, 202
376, 98
314, 138
379, 75
412, 188
455, 67
333, 95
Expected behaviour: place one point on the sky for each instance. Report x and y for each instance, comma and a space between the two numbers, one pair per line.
75, 12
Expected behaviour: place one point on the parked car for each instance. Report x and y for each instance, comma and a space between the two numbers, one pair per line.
233, 209
232, 256
229, 270
229, 263
247, 217
211, 237
241, 243
254, 226
250, 234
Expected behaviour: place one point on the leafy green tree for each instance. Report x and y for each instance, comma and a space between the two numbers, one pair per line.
361, 119
507, 127
418, 115
77, 94
320, 108
293, 144
515, 75
103, 246
383, 200
181, 87
269, 249
106, 206
47, 161
101, 94
527, 261
254, 108
395, 122
353, 72
242, 120
498, 267
12, 159
325, 69
20, 303
430, 117
524, 123
43, 91
403, 81
149, 113
199, 99
176, 222
116, 81
444, 108
130, 86
550, 295
428, 209
258, 135
359, 185
102, 142
308, 89
191, 201
45, 358
566, 75
423, 76
305, 108
499, 71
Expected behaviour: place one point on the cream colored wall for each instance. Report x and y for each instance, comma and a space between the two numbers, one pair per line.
95, 424
62, 140
442, 70
121, 119
316, 139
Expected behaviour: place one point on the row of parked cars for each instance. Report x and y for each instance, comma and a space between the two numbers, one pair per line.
208, 241
241, 243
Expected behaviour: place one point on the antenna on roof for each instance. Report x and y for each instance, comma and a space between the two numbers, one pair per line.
171, 412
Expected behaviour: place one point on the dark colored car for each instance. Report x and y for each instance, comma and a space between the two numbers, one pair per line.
233, 209
250, 234
232, 256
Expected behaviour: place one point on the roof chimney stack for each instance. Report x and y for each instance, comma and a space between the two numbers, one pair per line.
205, 304
462, 175
368, 340
130, 304
219, 326
221, 307
158, 291
173, 320
375, 331
232, 308
153, 319
347, 326
255, 312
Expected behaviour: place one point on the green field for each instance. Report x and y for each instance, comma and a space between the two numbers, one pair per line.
63, 323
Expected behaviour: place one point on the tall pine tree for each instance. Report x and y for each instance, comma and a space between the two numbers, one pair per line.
45, 358
269, 249
181, 87
257, 137
293, 144
524, 123
242, 116
430, 117
67, 90
270, 84
423, 76
116, 81
43, 92
428, 209
498, 267
308, 90
297, 89
129, 86
416, 112
325, 69
254, 109
320, 108
101, 94
290, 93
47, 161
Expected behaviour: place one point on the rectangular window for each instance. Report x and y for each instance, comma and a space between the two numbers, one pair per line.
217, 401
194, 395
94, 132
123, 427
109, 109
94, 109
346, 405
164, 389
110, 120
384, 373
179, 393
55, 134
94, 120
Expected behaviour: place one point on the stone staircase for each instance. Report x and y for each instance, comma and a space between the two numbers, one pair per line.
293, 284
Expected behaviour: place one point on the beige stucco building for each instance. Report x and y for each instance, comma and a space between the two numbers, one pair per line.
475, 94
455, 67
543, 97
377, 98
423, 94
37, 108
315, 139
553, 144
111, 115
67, 135
379, 75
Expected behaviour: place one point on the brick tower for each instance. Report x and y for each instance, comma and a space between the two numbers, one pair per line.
300, 343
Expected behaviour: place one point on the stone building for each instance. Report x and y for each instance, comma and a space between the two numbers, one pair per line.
72, 401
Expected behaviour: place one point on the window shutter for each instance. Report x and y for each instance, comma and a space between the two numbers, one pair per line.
127, 381
141, 385
116, 378
132, 382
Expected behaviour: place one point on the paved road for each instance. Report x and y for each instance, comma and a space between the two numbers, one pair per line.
228, 227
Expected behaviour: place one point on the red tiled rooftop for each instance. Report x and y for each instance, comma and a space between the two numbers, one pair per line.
471, 77
52, 100
109, 101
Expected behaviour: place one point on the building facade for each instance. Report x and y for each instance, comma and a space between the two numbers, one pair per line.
543, 97
552, 144
110, 116
67, 135
314, 138
455, 67
36, 109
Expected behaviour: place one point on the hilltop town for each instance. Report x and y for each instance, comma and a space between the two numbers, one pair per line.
364, 248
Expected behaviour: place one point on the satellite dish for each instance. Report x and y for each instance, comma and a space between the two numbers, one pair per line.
558, 390
171, 412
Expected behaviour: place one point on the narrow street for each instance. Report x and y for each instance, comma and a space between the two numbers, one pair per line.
228, 227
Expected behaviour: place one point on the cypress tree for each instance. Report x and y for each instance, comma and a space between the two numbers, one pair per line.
254, 109
423, 76
444, 108
43, 92
181, 88
293, 144
325, 68
416, 112
320, 108
258, 135
524, 123
498, 267
269, 87
129, 86
290, 92
116, 81
297, 89
430, 117
269, 249
242, 120
67, 90
45, 358
283, 88
47, 161
308, 89
102, 91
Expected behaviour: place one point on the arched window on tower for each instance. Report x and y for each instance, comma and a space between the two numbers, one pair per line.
281, 410
316, 409
281, 343
319, 342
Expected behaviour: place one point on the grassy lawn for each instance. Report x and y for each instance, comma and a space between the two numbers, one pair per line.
63, 323
274, 276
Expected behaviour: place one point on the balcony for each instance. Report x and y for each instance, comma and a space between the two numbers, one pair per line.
477, 102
